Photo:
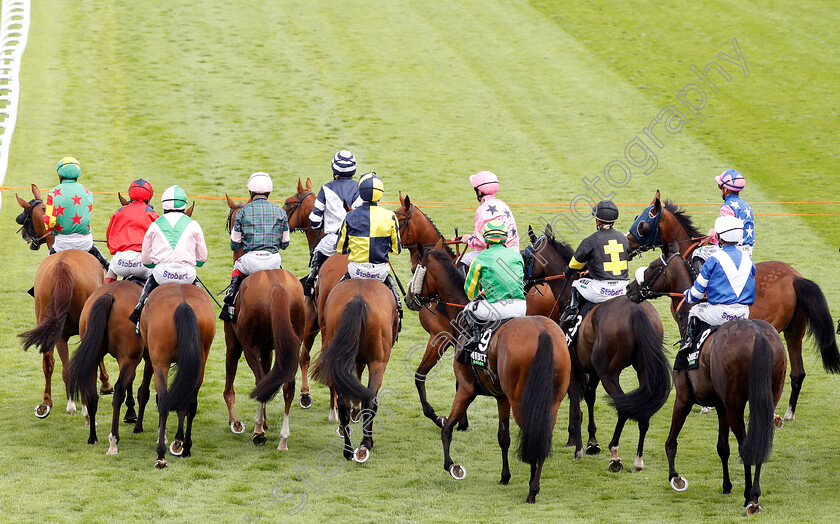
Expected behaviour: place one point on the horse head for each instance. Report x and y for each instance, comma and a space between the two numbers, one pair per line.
298, 207
33, 229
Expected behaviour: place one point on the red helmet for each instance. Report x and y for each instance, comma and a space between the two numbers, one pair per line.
140, 190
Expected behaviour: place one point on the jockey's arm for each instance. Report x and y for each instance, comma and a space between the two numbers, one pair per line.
200, 246
472, 284
316, 217
697, 292
146, 256
342, 245
395, 237
236, 233
50, 216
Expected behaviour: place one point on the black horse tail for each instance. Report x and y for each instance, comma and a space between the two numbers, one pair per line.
336, 367
535, 405
46, 333
759, 440
183, 390
811, 299
286, 347
655, 387
81, 373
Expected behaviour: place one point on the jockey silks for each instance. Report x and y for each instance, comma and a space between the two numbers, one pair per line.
369, 234
604, 255
69, 206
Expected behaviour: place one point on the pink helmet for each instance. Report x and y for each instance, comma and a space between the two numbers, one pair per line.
732, 180
486, 182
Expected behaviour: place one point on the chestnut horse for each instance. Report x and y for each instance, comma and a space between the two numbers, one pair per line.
104, 328
358, 328
177, 326
416, 228
63, 282
529, 370
790, 303
614, 335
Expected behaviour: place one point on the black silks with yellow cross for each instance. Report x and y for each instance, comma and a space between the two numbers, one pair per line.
604, 255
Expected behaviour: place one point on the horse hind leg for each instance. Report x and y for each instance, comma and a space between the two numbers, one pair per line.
48, 365
752, 505
723, 449
232, 355
639, 462
534, 484
504, 437
592, 446
191, 411
63, 355
285, 431
793, 338
311, 330
105, 388
259, 437
143, 395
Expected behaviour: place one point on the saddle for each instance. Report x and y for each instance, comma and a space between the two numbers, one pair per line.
477, 358
690, 359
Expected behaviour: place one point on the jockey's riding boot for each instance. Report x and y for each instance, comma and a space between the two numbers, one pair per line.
229, 309
390, 283
474, 325
697, 264
569, 316
98, 254
308, 281
151, 283
688, 337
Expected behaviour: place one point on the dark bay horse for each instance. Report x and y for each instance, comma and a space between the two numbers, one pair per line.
177, 325
790, 303
614, 335
104, 328
358, 328
529, 370
416, 229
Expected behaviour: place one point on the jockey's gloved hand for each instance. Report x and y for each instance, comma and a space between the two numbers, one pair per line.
568, 272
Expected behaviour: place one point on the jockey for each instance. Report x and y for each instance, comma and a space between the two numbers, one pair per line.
260, 230
69, 205
368, 234
604, 255
126, 230
486, 186
500, 272
731, 183
334, 200
172, 248
728, 278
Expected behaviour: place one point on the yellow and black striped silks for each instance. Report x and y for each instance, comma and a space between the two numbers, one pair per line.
368, 234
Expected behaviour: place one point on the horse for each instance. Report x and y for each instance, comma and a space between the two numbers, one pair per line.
791, 303
529, 370
358, 327
104, 328
614, 335
63, 282
417, 230
270, 315
177, 326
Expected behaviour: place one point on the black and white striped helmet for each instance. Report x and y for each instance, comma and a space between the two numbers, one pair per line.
344, 163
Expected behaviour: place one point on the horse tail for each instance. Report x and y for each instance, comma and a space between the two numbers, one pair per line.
759, 440
655, 387
46, 333
811, 299
535, 405
183, 390
286, 346
336, 366
81, 373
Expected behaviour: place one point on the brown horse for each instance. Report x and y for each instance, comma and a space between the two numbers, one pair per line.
358, 326
177, 326
63, 283
417, 229
104, 328
790, 303
614, 335
529, 370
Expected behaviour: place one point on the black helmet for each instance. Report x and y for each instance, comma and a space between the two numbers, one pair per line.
605, 211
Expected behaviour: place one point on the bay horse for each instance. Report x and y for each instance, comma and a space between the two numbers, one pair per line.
416, 229
529, 370
177, 326
614, 335
63, 282
791, 303
104, 328
270, 316
358, 327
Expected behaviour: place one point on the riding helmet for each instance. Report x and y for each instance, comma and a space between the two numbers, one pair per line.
371, 187
344, 163
174, 199
260, 183
605, 211
495, 232
68, 167
140, 190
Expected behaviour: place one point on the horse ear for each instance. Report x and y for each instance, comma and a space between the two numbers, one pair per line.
308, 185
548, 231
23, 203
36, 192
190, 209
420, 249
440, 243
407, 201
300, 186
123, 201
674, 247
531, 235
231, 203
402, 199
657, 205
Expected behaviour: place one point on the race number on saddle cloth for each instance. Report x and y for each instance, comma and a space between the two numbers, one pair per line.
499, 272
728, 279
731, 183
486, 186
69, 206
260, 230
126, 230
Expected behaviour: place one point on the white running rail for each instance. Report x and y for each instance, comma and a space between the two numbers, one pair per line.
14, 29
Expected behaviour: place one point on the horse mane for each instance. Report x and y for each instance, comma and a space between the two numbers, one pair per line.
683, 218
445, 246
565, 250
452, 272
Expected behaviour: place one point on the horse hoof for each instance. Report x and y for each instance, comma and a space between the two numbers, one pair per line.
616, 466
753, 508
705, 410
779, 422
305, 401
176, 448
593, 449
112, 447
258, 439
361, 455
579, 454
355, 415
340, 431
237, 427
130, 418
71, 407
160, 464
441, 421
789, 414
106, 391
679, 483
283, 445
458, 472
42, 411
570, 443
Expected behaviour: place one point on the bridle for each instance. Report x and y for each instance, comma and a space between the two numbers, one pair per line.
406, 224
229, 223
646, 286
28, 226
295, 208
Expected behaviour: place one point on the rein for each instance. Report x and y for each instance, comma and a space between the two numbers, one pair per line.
301, 197
28, 226
645, 287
